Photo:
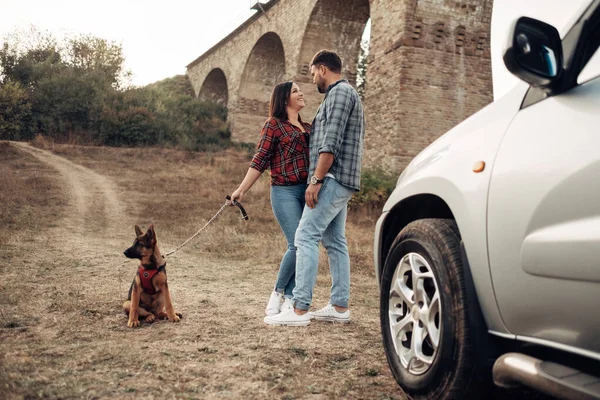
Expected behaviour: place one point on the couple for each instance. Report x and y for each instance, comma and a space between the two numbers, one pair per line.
308, 214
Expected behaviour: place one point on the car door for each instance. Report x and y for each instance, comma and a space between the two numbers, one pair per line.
544, 218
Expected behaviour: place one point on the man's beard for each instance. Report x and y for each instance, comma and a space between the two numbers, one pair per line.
321, 87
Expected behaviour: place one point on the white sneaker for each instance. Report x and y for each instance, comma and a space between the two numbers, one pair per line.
274, 304
287, 304
329, 313
288, 318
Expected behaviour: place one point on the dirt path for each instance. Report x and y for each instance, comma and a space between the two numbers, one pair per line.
93, 200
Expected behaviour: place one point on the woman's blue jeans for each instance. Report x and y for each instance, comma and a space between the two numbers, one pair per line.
288, 204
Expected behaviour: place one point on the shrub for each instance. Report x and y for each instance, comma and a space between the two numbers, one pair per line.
15, 111
376, 187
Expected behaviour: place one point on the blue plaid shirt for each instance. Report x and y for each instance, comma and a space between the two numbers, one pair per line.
339, 128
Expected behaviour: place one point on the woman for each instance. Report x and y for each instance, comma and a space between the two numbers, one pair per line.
283, 148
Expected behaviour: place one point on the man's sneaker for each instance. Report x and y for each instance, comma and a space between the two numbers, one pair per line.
274, 305
288, 318
287, 305
329, 313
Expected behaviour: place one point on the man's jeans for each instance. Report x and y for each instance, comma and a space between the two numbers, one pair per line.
287, 203
325, 223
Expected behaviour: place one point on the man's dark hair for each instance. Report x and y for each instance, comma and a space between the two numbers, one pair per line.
329, 59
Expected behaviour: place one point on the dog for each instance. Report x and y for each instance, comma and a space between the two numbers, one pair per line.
149, 296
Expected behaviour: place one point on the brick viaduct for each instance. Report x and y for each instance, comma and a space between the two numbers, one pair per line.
428, 66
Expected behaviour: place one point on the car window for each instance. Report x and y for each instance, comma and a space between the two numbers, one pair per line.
591, 69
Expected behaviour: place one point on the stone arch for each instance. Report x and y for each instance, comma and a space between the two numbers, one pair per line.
264, 68
214, 87
336, 26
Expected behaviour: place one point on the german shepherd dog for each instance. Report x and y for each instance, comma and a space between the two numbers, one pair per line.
149, 295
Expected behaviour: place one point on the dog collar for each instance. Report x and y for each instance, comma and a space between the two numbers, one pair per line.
151, 266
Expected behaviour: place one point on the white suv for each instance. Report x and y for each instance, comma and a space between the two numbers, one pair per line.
488, 251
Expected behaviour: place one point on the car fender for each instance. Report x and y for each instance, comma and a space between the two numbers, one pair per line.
446, 170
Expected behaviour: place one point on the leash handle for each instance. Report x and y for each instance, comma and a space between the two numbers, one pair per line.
238, 205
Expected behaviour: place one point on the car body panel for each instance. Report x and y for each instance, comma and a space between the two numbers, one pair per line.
544, 220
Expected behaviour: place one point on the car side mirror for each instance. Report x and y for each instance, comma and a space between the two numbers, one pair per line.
534, 53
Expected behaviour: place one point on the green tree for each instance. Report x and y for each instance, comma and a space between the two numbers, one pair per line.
77, 90
89, 54
69, 104
66, 82
28, 57
15, 111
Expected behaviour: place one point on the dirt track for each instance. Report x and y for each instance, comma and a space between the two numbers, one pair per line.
64, 335
93, 200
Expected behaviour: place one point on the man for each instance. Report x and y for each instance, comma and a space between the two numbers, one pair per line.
336, 147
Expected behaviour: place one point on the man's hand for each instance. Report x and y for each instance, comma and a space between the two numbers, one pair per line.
312, 191
312, 195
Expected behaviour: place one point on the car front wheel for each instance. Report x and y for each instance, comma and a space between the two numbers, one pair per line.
429, 320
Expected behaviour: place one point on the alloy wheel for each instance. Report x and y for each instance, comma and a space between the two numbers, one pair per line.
415, 313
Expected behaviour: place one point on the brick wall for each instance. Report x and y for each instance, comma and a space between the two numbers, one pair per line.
426, 73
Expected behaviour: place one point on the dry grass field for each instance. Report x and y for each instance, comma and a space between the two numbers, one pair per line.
68, 212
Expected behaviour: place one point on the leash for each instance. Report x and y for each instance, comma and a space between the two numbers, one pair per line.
227, 203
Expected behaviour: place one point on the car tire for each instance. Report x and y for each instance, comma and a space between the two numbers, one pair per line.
432, 335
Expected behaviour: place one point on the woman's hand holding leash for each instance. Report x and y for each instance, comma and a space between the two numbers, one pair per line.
238, 195
234, 202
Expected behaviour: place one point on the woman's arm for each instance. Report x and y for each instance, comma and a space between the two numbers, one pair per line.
251, 177
260, 161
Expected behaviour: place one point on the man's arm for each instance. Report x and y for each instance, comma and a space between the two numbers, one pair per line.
324, 164
338, 107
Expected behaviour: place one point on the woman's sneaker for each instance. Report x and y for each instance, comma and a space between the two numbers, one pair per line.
274, 304
287, 304
329, 313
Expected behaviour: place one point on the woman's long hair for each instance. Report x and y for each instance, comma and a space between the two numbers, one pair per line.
278, 103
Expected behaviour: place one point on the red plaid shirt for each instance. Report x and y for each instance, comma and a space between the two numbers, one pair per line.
283, 148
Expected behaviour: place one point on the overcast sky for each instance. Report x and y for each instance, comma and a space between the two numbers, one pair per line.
159, 37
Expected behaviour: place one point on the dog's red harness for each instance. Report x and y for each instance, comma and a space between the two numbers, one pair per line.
146, 276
